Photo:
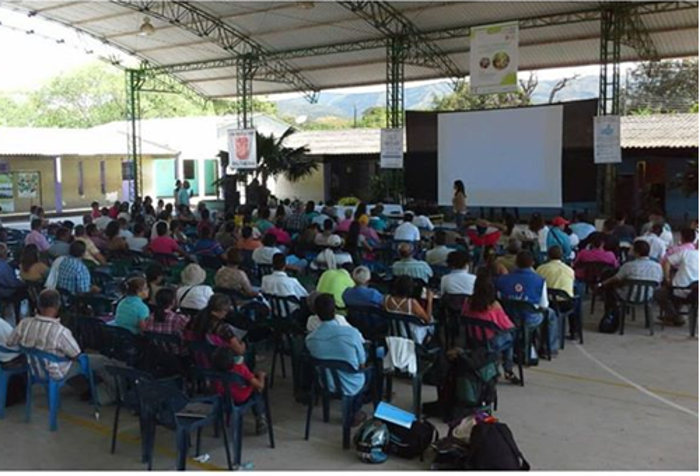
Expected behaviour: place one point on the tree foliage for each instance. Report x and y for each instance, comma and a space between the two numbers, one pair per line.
463, 99
662, 87
95, 94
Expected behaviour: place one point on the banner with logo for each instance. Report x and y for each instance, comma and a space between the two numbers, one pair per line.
28, 184
606, 140
391, 155
493, 58
242, 150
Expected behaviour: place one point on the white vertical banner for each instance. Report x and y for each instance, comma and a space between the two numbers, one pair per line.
606, 140
493, 58
242, 150
391, 156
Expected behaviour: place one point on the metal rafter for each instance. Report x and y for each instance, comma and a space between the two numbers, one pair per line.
205, 25
392, 23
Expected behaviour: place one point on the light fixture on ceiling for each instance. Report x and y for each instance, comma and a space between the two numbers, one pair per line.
305, 5
146, 28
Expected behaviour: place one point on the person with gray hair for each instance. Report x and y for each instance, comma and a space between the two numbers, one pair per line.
362, 295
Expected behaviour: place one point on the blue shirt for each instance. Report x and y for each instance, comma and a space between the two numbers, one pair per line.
378, 223
73, 276
331, 341
8, 280
207, 246
183, 196
582, 229
556, 237
363, 296
130, 311
413, 268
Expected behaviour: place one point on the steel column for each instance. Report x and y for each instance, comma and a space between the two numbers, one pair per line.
246, 66
396, 49
134, 82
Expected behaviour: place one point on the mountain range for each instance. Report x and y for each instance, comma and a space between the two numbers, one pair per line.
417, 98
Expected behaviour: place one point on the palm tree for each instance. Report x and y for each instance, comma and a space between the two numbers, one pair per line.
274, 159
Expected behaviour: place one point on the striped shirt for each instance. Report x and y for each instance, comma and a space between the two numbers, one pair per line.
413, 268
643, 269
49, 335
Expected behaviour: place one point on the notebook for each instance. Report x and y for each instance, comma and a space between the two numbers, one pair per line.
395, 415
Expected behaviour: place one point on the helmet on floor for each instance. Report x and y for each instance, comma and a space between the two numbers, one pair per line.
371, 439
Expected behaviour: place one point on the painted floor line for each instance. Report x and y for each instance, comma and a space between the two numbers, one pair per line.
610, 382
633, 384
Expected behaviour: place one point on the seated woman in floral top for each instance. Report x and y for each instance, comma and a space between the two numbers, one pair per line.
164, 319
232, 277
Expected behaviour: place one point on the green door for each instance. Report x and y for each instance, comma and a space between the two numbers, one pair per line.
164, 174
211, 174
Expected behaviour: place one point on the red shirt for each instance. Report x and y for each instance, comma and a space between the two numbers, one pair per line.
594, 255
282, 236
113, 213
164, 245
239, 393
494, 314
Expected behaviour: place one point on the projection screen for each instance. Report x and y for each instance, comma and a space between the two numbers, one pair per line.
506, 158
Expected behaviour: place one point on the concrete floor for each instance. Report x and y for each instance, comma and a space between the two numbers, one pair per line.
617, 403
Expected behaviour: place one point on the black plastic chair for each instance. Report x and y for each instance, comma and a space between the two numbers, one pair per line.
476, 333
5, 375
449, 314
210, 262
91, 333
400, 325
369, 320
690, 302
594, 273
637, 292
564, 305
165, 405
234, 412
517, 310
327, 374
121, 345
284, 312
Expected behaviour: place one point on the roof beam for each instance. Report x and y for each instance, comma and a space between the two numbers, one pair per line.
191, 18
392, 23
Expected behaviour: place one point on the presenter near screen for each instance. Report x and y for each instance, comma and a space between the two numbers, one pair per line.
459, 203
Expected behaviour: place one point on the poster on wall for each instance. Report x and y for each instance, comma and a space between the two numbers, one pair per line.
493, 58
391, 156
28, 184
242, 150
7, 196
606, 140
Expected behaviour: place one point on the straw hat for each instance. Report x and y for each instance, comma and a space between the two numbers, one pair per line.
192, 275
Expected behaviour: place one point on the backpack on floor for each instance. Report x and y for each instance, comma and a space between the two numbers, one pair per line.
492, 447
451, 454
409, 443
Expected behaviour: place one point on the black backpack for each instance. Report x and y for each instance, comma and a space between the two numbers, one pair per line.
492, 448
610, 322
409, 443
451, 454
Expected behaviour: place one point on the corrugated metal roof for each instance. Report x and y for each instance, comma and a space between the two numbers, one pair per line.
637, 132
54, 142
659, 131
284, 26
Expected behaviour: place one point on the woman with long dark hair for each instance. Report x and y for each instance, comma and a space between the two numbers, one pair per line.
459, 203
31, 268
482, 304
164, 319
210, 324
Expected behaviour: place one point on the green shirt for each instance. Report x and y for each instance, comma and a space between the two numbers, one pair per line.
130, 311
335, 282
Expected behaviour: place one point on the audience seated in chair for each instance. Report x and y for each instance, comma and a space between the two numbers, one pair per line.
233, 277
409, 266
193, 293
459, 280
362, 295
132, 312
164, 319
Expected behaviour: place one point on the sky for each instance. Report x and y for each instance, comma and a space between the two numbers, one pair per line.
34, 58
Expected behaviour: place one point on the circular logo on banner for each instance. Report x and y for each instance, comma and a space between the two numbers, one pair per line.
518, 288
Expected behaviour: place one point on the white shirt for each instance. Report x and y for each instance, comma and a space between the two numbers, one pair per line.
264, 254
341, 258
458, 282
126, 234
101, 222
542, 238
137, 243
422, 221
5, 331
315, 321
407, 231
438, 255
321, 219
657, 246
197, 298
279, 284
686, 263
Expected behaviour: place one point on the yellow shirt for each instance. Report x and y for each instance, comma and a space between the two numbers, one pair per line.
558, 276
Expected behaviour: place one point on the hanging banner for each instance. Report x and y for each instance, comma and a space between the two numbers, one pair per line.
242, 150
7, 197
27, 184
391, 156
606, 140
493, 58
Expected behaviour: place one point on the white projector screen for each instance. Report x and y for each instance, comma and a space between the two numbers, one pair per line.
506, 158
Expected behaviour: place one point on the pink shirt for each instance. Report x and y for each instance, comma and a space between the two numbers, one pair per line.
494, 314
369, 233
164, 245
36, 238
344, 225
282, 236
594, 255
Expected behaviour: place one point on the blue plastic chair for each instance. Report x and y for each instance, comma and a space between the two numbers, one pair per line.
327, 374
5, 376
166, 405
234, 412
37, 362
